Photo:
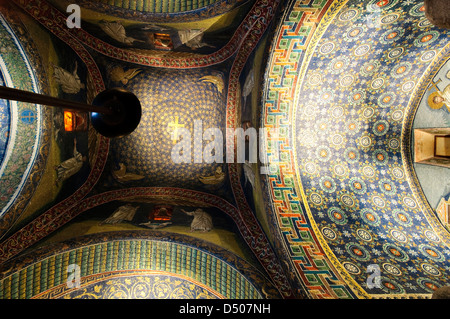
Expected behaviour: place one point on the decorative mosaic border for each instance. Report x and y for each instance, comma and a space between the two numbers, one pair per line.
41, 273
302, 23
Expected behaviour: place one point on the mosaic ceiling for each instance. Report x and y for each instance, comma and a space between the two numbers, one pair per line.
342, 82
352, 98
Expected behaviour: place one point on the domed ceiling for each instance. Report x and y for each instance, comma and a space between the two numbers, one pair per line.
335, 205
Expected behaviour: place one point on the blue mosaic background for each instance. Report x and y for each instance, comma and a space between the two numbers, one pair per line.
348, 144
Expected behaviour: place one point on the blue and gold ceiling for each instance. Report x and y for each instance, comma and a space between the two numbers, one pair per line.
343, 83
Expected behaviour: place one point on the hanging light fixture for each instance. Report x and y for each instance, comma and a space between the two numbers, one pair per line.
113, 113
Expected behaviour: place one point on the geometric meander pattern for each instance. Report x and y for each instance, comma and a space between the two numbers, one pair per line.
312, 266
352, 91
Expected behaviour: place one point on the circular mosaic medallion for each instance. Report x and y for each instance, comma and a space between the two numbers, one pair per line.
398, 172
361, 50
377, 83
408, 86
309, 110
389, 18
393, 143
431, 235
327, 184
368, 171
418, 10
351, 268
368, 112
323, 153
431, 252
402, 217
370, 67
397, 115
395, 252
428, 56
337, 139
370, 217
321, 125
351, 154
327, 48
349, 15
393, 270
392, 35
365, 141
316, 199
380, 127
310, 168
340, 170
426, 38
398, 235
401, 70
424, 23
364, 234
358, 185
355, 33
357, 251
357, 97
378, 201
428, 284
391, 286
352, 126
378, 5
338, 65
387, 186
380, 157
337, 215
315, 79
410, 202
430, 269
395, 53
347, 200
337, 112
346, 80
325, 96
329, 233
386, 99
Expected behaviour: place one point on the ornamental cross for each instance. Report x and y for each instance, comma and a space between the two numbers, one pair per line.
175, 125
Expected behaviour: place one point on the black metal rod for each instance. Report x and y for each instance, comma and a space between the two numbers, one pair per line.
30, 97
